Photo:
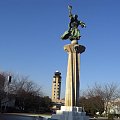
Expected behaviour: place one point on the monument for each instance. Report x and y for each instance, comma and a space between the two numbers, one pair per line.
71, 111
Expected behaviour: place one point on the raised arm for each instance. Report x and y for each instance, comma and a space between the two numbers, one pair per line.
70, 13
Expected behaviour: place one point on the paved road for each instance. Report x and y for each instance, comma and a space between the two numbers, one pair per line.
19, 117
103, 118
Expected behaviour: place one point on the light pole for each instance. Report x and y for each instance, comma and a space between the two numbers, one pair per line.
9, 77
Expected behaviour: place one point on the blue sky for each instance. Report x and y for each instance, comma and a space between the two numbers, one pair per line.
30, 41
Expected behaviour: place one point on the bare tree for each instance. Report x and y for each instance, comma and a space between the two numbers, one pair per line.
92, 104
26, 93
20, 83
2, 82
107, 92
28, 87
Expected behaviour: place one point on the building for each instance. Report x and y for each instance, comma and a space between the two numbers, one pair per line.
56, 86
114, 106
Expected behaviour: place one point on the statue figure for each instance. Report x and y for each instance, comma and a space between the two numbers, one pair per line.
73, 33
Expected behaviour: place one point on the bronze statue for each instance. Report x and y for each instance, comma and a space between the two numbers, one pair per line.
73, 33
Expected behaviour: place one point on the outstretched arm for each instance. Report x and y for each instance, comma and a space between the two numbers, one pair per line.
82, 24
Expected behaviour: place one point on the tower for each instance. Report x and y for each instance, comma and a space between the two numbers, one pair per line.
56, 86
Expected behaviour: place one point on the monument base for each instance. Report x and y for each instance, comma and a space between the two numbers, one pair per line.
70, 113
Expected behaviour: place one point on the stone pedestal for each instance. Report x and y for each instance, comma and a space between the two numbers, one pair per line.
70, 113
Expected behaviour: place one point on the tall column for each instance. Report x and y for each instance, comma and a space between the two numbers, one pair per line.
72, 79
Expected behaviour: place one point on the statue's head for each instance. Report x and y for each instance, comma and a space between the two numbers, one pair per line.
76, 16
